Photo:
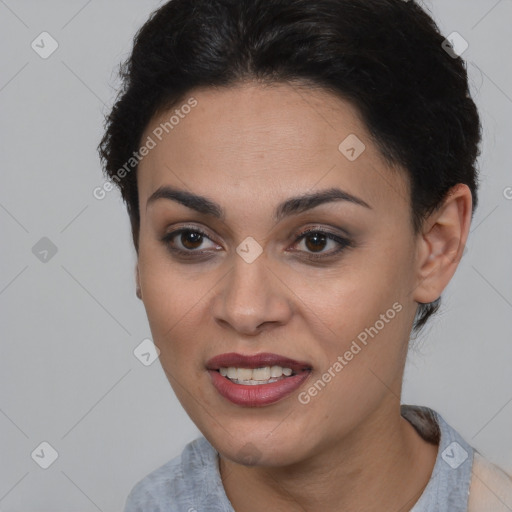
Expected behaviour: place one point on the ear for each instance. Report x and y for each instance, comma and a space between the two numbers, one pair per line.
441, 244
138, 291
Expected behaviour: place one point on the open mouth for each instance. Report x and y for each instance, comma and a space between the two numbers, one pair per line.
256, 376
256, 380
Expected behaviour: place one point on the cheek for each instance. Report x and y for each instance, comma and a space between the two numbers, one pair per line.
360, 330
173, 299
345, 300
359, 312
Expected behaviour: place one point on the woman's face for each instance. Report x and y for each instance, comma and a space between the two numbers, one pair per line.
241, 280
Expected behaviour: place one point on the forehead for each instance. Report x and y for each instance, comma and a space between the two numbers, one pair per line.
249, 139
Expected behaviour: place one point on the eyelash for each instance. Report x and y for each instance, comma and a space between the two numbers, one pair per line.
342, 241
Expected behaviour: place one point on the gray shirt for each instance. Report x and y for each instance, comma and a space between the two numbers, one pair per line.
192, 482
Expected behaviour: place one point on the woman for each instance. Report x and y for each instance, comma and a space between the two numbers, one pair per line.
300, 179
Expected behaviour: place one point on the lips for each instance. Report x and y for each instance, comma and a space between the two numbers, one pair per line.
256, 395
255, 361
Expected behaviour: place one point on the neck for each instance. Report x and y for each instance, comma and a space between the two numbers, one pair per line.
382, 465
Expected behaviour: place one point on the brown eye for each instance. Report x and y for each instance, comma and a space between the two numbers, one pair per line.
187, 241
315, 241
191, 239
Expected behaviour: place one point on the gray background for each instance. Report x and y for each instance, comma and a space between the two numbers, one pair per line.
68, 375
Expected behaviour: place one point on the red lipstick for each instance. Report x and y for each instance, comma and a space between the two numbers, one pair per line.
256, 395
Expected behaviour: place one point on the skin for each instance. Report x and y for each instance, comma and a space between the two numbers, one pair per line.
248, 148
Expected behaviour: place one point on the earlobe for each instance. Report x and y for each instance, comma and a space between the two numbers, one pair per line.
442, 243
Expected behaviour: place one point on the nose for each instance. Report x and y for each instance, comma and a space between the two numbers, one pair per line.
252, 297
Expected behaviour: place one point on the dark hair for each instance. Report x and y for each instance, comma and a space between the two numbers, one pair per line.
384, 56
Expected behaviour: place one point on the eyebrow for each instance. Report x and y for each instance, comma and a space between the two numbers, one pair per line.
292, 206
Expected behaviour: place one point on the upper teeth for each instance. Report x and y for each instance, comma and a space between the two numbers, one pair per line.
264, 373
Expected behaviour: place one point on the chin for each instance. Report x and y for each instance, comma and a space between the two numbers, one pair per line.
265, 450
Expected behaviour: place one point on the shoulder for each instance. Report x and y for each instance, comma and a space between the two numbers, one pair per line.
485, 486
491, 487
174, 485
